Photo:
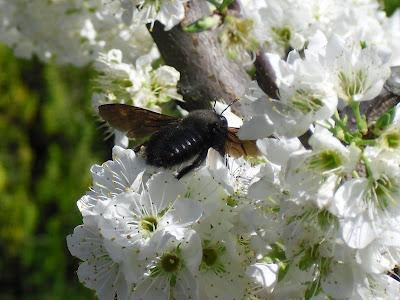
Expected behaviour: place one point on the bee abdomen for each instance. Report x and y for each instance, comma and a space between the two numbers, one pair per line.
170, 148
184, 146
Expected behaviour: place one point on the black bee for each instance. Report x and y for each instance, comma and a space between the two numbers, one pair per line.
176, 140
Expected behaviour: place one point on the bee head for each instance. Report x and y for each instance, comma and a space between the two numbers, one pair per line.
220, 125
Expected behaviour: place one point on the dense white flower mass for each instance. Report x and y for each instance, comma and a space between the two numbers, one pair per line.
164, 237
138, 85
315, 216
68, 31
168, 12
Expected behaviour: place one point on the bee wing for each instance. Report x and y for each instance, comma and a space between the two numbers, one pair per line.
236, 147
136, 122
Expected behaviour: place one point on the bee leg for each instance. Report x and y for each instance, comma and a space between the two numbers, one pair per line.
138, 147
197, 162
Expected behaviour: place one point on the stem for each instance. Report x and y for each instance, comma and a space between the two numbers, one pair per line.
339, 121
367, 165
361, 142
345, 135
361, 122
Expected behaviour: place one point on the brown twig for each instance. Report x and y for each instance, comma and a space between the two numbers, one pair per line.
206, 73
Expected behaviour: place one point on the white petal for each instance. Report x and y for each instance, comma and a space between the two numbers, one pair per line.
348, 201
171, 13
85, 242
183, 213
279, 150
265, 275
339, 282
157, 288
163, 189
358, 232
120, 139
104, 276
377, 258
186, 286
256, 127
167, 75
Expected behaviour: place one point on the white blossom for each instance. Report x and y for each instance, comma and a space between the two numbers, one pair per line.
168, 12
315, 216
72, 32
100, 269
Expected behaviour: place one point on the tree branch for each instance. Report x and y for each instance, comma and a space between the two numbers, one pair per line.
265, 75
206, 73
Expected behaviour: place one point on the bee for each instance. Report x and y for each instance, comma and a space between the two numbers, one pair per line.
176, 140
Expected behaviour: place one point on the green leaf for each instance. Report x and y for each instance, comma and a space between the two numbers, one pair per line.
386, 119
391, 6
306, 262
313, 289
276, 254
203, 24
225, 4
309, 257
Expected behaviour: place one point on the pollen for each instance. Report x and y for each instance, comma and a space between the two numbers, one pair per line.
149, 223
353, 83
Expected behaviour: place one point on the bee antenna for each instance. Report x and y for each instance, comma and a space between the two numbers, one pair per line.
229, 105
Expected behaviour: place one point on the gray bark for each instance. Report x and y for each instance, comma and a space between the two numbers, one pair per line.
206, 73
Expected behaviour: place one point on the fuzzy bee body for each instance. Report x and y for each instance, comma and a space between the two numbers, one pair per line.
169, 147
194, 135
173, 140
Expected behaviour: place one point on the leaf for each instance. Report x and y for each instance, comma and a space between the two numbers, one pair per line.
313, 289
203, 24
225, 4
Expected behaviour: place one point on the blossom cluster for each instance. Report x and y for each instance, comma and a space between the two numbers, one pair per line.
315, 220
315, 216
147, 235
69, 31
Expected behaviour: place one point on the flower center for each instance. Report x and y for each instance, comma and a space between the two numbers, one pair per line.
325, 161
170, 262
384, 190
209, 256
236, 36
149, 223
231, 201
352, 84
305, 102
282, 35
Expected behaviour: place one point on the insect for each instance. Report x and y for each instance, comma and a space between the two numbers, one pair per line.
175, 140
